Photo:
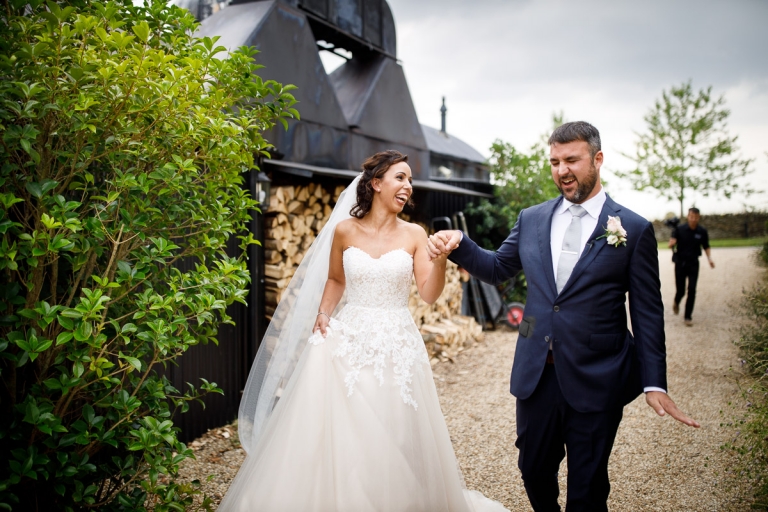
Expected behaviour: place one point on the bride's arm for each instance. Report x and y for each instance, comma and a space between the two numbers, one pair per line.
430, 275
334, 287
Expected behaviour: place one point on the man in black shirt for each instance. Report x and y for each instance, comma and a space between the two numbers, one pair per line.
690, 239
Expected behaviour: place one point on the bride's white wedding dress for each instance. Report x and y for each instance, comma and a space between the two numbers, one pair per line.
359, 427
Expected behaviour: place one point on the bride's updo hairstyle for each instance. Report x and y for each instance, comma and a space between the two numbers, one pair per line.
374, 168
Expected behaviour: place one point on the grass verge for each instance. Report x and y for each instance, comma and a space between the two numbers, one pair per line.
750, 442
729, 242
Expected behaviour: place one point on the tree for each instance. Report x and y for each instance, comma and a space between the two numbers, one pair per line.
521, 180
123, 140
687, 148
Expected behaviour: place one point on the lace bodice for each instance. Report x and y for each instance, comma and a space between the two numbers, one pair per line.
375, 327
383, 282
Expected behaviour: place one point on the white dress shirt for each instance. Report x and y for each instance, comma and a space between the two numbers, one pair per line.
561, 219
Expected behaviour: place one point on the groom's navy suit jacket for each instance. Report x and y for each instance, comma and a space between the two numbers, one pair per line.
600, 364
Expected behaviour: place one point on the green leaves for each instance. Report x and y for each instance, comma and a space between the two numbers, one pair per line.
152, 434
83, 332
49, 222
134, 362
522, 179
28, 90
687, 148
141, 29
23, 137
60, 14
124, 140
31, 344
38, 189
24, 464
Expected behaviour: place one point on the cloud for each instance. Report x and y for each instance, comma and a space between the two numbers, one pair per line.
506, 66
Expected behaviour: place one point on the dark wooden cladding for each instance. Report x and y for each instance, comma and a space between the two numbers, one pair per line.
226, 364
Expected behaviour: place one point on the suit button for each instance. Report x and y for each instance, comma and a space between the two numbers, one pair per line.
557, 308
546, 338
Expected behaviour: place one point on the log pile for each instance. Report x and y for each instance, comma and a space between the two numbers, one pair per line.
446, 306
446, 332
446, 338
296, 215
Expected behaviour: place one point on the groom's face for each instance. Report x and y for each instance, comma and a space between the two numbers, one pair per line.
575, 172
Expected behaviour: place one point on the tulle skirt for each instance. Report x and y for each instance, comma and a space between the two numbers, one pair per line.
332, 446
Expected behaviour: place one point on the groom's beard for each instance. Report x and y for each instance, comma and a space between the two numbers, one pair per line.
584, 189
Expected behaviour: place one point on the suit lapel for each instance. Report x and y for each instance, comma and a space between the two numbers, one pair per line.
594, 246
545, 230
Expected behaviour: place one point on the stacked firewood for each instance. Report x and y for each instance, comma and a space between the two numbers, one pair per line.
447, 305
296, 215
446, 332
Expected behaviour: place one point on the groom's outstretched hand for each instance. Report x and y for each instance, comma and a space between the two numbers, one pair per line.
443, 242
663, 405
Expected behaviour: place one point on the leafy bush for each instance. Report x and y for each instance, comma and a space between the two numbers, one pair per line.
751, 441
763, 255
521, 180
123, 139
754, 334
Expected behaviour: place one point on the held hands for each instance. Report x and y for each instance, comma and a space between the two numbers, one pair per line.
442, 243
663, 404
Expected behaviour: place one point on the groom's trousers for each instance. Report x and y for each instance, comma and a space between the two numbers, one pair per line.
547, 427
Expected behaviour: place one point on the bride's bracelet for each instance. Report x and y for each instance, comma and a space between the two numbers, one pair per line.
326, 314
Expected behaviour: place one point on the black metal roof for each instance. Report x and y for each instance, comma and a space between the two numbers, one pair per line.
307, 171
446, 144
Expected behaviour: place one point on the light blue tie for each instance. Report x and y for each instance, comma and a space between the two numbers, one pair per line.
569, 255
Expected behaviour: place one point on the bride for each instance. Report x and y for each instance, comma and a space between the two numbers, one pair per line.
340, 412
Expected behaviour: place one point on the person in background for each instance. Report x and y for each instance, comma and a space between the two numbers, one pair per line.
689, 238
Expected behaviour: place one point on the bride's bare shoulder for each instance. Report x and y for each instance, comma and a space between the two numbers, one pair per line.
414, 231
347, 226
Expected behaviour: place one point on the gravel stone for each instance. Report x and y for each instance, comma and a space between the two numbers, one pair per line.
657, 463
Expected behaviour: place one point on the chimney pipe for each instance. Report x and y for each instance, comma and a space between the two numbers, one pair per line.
443, 110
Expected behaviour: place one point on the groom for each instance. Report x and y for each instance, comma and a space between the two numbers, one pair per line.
576, 363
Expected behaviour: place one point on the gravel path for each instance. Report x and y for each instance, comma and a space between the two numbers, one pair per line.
657, 463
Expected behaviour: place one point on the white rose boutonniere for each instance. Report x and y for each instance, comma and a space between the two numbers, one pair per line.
614, 232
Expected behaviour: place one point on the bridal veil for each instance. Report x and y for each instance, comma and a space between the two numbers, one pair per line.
291, 326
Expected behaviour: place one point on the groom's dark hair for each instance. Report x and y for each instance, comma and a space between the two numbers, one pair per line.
577, 130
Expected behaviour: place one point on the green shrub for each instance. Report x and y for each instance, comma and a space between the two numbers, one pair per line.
123, 140
754, 334
521, 180
764, 250
751, 440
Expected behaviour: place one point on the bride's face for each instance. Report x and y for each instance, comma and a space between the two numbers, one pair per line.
394, 188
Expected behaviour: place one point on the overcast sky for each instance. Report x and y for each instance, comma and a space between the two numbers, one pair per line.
506, 65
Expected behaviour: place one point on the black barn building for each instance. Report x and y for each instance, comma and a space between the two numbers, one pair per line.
362, 107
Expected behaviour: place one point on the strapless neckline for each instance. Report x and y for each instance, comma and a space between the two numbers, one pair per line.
383, 282
382, 254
